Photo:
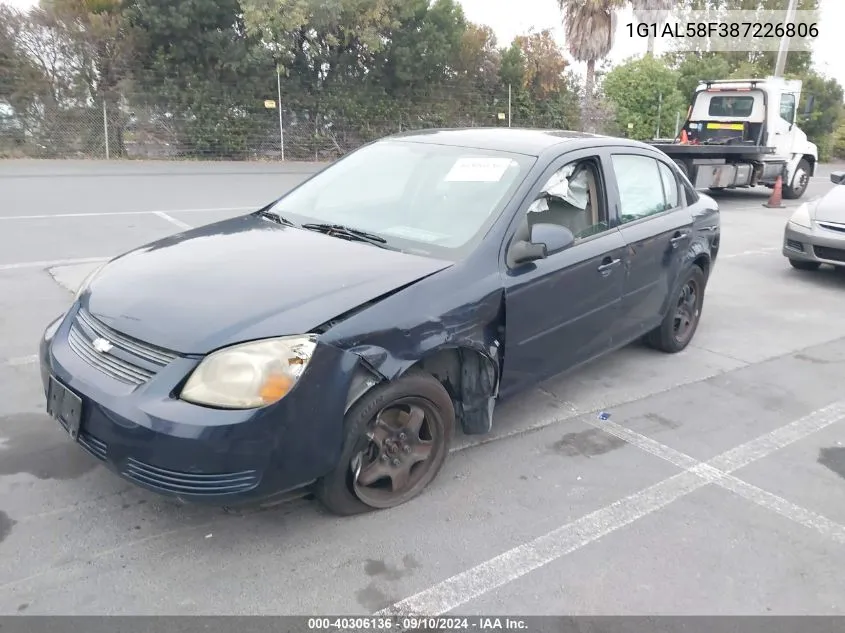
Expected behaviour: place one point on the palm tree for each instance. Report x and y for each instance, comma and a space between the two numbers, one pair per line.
652, 11
589, 27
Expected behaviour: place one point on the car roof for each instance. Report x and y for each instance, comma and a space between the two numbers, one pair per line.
532, 142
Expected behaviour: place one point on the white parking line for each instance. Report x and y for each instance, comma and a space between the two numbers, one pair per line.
172, 220
739, 457
521, 560
49, 263
20, 360
759, 251
109, 213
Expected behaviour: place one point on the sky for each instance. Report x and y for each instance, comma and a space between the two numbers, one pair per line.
509, 19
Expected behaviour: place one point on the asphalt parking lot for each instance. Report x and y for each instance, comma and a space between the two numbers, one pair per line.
716, 486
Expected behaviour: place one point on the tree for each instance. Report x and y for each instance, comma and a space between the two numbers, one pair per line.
101, 43
695, 67
200, 79
424, 46
589, 27
321, 42
838, 149
479, 58
544, 93
641, 88
823, 120
652, 12
543, 64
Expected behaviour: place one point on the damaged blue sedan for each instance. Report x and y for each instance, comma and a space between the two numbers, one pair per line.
334, 341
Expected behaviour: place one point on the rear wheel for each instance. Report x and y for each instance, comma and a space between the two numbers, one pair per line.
681, 321
802, 265
397, 439
799, 182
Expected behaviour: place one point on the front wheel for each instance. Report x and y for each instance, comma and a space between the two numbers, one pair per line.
681, 321
397, 439
800, 181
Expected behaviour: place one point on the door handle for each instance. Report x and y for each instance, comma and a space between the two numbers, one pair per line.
678, 239
608, 265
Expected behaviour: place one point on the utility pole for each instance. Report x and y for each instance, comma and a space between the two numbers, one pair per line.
780, 65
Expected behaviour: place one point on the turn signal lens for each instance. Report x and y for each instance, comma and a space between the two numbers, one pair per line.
275, 388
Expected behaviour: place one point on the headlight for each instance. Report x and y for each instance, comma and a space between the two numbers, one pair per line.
250, 375
87, 281
801, 217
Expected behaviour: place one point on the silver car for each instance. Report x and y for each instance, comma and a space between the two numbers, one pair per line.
815, 234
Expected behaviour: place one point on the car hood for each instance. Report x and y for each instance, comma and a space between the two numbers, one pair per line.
243, 279
831, 207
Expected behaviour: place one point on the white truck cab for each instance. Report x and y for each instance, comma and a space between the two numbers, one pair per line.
743, 133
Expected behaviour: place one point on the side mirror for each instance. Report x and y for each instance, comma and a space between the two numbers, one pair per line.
553, 236
837, 177
523, 252
808, 107
546, 239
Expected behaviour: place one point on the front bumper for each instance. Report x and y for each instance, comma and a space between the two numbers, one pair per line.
817, 244
199, 454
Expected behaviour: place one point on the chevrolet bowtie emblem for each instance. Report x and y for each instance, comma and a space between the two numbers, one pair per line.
102, 345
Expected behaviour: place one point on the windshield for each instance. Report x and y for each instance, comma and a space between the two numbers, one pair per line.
422, 198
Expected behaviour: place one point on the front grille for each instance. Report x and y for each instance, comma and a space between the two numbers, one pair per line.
97, 448
794, 245
832, 226
129, 360
189, 483
151, 353
832, 254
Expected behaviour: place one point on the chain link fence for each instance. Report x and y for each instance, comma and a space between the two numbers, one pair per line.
315, 125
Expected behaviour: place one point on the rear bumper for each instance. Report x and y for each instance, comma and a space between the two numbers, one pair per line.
198, 454
814, 245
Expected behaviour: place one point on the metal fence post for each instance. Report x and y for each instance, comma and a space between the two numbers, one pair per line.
509, 105
281, 123
106, 126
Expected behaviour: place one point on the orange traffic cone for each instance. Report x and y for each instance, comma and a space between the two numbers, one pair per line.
776, 199
684, 137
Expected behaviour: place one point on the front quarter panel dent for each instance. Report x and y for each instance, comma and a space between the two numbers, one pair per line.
462, 349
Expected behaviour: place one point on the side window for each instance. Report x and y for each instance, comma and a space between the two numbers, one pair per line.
670, 186
572, 197
787, 108
640, 185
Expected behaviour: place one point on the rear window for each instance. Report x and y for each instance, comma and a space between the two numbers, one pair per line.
731, 106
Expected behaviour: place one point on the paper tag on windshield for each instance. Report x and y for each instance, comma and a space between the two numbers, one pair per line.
478, 169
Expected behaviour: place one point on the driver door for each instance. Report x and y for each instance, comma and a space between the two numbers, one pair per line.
564, 309
783, 128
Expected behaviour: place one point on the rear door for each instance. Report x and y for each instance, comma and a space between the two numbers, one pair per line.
564, 310
657, 226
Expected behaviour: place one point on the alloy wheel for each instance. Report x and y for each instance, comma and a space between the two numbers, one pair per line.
403, 441
687, 312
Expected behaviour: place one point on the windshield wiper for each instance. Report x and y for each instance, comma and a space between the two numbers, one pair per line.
275, 217
347, 232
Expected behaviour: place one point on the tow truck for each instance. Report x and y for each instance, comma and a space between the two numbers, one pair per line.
742, 133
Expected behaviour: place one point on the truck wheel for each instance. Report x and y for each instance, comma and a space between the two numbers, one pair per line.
799, 181
397, 439
681, 321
